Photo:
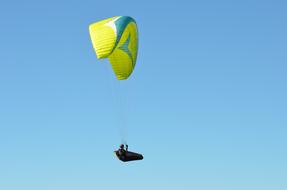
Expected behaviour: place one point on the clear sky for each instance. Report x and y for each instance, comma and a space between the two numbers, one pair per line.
206, 104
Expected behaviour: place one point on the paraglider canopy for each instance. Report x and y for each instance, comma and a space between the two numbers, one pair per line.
116, 38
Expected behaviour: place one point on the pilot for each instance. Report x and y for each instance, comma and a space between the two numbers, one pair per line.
122, 150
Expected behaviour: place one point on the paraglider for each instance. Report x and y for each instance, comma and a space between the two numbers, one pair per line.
125, 155
116, 38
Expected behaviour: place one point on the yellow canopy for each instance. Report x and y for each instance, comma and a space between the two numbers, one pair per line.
116, 39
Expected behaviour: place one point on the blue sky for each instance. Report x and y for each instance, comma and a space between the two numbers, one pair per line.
206, 104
